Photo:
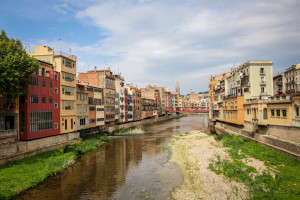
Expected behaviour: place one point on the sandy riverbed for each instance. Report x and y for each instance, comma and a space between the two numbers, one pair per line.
193, 154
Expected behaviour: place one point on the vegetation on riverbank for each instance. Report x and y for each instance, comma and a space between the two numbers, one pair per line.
279, 178
135, 130
20, 175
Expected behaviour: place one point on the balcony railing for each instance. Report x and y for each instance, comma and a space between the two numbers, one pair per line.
263, 83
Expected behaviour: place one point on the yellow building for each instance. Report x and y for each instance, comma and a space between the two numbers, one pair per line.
233, 110
280, 112
66, 65
256, 112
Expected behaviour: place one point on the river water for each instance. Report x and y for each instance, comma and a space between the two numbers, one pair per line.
129, 167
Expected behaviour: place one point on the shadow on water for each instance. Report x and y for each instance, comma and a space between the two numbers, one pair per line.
132, 167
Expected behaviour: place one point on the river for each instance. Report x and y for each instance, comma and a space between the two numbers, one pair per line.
129, 167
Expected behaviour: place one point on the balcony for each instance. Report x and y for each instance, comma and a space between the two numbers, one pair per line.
290, 91
263, 83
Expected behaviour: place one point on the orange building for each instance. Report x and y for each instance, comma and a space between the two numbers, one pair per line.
137, 103
233, 110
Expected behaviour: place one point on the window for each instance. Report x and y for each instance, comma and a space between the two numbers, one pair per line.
100, 109
284, 113
97, 101
68, 77
248, 111
68, 91
50, 84
68, 63
34, 98
44, 99
40, 120
68, 105
100, 119
278, 113
56, 125
50, 99
91, 101
265, 113
56, 77
297, 111
56, 90
43, 72
89, 89
82, 122
37, 72
262, 70
262, 79
34, 81
22, 121
44, 83
56, 105
92, 108
92, 121
262, 89
272, 113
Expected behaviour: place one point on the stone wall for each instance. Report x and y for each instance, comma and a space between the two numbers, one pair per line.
22, 149
143, 122
283, 138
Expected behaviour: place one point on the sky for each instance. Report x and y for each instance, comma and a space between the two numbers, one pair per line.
160, 41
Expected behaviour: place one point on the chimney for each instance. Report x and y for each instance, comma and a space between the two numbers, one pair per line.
95, 68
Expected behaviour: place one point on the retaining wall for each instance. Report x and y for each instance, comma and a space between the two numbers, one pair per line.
23, 149
285, 139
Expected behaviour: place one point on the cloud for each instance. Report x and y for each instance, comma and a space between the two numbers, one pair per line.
165, 41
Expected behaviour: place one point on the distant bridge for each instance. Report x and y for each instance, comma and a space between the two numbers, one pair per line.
188, 110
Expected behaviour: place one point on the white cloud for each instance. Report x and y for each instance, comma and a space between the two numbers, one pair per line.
165, 41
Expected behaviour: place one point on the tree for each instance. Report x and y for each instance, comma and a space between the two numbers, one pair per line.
16, 66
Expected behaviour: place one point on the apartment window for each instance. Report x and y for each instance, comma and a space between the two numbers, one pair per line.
92, 108
40, 120
44, 99
297, 111
56, 90
56, 125
68, 77
37, 72
89, 89
34, 98
56, 105
50, 99
265, 113
68, 91
34, 81
82, 122
91, 101
262, 70
50, 84
68, 63
262, 79
43, 72
92, 121
100, 109
262, 89
44, 83
68, 105
272, 113
56, 77
100, 119
284, 113
97, 101
278, 113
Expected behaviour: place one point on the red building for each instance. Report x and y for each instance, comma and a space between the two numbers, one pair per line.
40, 108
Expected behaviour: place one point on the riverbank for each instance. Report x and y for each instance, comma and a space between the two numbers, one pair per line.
231, 167
20, 175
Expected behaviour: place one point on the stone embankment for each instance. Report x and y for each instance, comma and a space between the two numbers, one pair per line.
285, 139
12, 149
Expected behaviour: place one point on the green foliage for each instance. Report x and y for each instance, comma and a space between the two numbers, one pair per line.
134, 130
20, 175
23, 174
15, 67
286, 171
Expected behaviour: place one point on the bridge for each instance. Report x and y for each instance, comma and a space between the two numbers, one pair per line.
188, 110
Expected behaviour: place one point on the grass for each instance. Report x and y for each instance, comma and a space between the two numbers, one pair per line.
129, 131
20, 175
280, 181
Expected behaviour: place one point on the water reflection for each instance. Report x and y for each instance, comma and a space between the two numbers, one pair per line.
133, 167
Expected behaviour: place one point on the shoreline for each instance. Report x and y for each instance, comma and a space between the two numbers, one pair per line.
231, 167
